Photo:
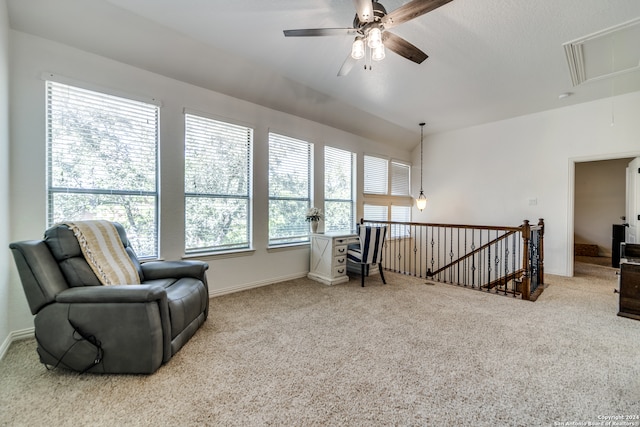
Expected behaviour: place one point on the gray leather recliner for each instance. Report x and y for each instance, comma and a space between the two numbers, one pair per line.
86, 327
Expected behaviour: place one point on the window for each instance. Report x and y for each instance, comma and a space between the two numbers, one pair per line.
102, 162
290, 182
400, 179
376, 212
339, 185
387, 192
376, 172
400, 214
217, 185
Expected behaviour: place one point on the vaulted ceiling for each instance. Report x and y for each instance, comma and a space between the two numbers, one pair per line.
488, 59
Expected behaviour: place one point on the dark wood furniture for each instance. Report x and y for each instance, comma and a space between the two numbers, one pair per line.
629, 305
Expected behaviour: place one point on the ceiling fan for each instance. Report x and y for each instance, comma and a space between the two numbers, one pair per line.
371, 25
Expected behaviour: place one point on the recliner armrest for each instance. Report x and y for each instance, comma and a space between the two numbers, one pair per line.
112, 294
176, 269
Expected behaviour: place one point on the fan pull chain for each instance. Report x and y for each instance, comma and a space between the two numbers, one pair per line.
367, 58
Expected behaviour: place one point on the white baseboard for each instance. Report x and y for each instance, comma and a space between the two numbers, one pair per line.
30, 332
15, 336
246, 286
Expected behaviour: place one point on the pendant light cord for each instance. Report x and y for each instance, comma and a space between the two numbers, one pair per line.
421, 155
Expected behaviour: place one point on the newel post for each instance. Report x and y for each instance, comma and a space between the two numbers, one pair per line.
526, 279
541, 252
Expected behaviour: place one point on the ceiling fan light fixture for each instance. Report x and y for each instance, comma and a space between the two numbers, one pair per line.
378, 53
357, 49
374, 38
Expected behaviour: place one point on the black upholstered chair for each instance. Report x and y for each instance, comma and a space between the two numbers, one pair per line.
84, 326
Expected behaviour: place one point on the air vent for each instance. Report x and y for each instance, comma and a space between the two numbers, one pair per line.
604, 54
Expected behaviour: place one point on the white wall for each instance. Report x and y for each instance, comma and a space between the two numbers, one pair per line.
600, 201
5, 226
31, 56
488, 174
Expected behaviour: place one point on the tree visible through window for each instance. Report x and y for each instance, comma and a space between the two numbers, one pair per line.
290, 181
339, 189
217, 182
102, 162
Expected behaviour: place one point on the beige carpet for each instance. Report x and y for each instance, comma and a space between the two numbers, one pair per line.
301, 353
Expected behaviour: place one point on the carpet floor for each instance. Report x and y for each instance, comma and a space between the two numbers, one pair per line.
299, 353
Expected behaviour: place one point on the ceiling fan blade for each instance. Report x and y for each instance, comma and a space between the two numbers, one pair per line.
403, 47
411, 10
364, 9
317, 32
347, 66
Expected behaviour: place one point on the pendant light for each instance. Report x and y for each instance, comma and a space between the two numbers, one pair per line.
421, 201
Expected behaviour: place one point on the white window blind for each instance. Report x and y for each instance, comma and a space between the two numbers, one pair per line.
339, 189
400, 214
376, 172
376, 212
290, 181
400, 179
102, 162
217, 185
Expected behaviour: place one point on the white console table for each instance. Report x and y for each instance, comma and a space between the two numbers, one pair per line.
328, 259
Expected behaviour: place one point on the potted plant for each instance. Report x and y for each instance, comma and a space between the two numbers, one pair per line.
314, 215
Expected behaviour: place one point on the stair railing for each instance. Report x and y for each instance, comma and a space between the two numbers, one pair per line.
498, 259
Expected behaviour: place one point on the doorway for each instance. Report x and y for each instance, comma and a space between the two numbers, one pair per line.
599, 202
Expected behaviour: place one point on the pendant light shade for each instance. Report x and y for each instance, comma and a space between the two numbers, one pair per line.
374, 38
421, 201
357, 49
378, 53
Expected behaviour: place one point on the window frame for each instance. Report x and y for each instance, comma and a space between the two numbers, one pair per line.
55, 87
388, 199
247, 197
353, 193
304, 238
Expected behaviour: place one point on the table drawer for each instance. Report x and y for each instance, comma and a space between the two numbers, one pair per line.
340, 270
340, 250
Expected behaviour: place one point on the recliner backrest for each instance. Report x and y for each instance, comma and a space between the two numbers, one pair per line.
48, 267
40, 273
66, 250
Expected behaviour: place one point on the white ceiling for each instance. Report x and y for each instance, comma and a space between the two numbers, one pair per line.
488, 59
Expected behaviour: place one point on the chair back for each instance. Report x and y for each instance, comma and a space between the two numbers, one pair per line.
49, 266
371, 244
66, 250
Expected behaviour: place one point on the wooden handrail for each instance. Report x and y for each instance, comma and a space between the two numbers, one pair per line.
463, 226
507, 278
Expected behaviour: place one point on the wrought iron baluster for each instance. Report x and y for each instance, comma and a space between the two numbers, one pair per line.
499, 244
506, 265
489, 261
432, 251
480, 269
513, 265
438, 247
458, 256
473, 260
466, 263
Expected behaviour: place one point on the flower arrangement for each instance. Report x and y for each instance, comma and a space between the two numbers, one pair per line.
314, 215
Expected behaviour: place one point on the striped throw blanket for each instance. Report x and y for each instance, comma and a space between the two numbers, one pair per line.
103, 249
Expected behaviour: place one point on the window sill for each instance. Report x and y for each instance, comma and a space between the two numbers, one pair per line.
220, 254
287, 247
